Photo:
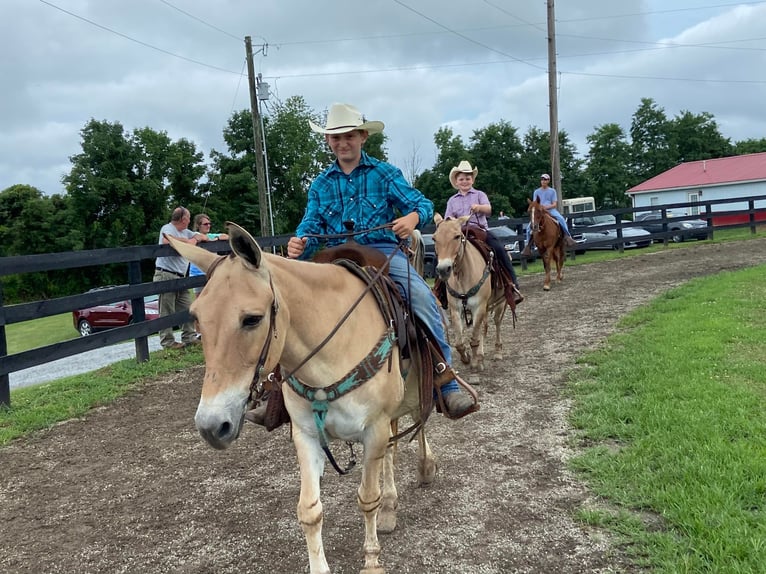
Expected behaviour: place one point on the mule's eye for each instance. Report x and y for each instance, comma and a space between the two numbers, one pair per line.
251, 321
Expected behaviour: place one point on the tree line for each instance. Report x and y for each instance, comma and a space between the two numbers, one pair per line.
122, 185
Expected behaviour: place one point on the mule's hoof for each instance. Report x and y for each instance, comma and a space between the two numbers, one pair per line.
546, 287
386, 522
427, 472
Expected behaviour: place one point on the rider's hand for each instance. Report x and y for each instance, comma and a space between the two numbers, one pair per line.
405, 225
295, 247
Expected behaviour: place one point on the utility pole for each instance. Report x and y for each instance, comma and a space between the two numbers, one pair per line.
260, 166
553, 103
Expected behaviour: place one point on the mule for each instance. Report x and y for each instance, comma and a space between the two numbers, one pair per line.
549, 239
472, 295
258, 311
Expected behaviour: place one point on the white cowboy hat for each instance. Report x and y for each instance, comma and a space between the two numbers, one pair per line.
343, 118
463, 167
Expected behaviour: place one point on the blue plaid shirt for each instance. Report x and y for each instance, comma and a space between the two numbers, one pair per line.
367, 196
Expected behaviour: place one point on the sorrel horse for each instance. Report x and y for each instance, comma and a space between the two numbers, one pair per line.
548, 238
259, 310
472, 298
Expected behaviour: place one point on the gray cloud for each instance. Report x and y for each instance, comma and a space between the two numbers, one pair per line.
451, 63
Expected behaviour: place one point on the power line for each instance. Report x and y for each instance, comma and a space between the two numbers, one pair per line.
193, 17
125, 36
467, 38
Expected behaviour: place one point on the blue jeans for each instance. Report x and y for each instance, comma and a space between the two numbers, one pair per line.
560, 218
421, 300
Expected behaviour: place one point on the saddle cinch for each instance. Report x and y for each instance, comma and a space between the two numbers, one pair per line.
501, 279
371, 265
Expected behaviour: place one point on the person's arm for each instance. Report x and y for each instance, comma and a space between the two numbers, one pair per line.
482, 206
409, 200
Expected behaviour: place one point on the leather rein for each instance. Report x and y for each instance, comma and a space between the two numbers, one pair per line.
320, 397
463, 297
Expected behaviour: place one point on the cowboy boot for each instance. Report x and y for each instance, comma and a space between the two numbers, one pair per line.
457, 403
527, 252
569, 241
257, 415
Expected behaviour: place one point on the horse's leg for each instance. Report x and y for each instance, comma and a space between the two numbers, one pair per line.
547, 267
477, 338
389, 502
497, 314
369, 492
310, 514
427, 465
560, 263
456, 319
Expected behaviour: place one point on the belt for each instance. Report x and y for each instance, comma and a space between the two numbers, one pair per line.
171, 272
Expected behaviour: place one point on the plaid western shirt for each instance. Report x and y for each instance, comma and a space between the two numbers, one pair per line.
369, 196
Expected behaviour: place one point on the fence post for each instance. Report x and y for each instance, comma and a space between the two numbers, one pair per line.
5, 381
139, 313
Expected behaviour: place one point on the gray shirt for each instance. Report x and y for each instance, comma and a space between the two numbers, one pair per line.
175, 263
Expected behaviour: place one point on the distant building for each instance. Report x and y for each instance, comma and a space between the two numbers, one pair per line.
708, 179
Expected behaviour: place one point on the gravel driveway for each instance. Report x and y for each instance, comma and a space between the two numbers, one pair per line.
131, 488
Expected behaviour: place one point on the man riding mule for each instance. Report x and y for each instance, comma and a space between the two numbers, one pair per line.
337, 361
361, 193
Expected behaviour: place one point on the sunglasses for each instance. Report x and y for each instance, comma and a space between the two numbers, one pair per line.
206, 223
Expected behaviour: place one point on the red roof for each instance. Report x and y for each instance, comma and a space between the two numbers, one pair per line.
738, 168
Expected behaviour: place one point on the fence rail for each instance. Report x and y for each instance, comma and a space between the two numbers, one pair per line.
136, 289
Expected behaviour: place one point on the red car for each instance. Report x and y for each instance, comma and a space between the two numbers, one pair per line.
91, 319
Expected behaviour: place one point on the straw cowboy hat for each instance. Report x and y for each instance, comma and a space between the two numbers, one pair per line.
343, 118
462, 167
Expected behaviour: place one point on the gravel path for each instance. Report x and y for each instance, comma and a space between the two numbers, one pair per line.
131, 488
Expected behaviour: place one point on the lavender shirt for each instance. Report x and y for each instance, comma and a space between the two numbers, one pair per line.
459, 205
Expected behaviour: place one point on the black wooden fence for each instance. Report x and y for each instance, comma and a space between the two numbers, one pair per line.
136, 289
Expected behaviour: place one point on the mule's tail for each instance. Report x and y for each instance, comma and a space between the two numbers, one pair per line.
417, 252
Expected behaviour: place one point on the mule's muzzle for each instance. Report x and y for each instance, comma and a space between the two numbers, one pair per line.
444, 270
218, 431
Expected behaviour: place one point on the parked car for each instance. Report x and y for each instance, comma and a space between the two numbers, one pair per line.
512, 244
682, 230
92, 319
603, 237
429, 267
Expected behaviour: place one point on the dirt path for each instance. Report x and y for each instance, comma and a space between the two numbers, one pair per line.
132, 488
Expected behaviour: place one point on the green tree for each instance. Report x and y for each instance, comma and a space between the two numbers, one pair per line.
749, 146
434, 182
696, 137
608, 170
497, 150
650, 141
296, 155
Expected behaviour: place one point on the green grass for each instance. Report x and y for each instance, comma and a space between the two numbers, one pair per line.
673, 414
42, 406
670, 414
39, 333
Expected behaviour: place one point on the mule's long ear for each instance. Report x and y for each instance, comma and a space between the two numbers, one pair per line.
463, 219
200, 257
438, 218
243, 244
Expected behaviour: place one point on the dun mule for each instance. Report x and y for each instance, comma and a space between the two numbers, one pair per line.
549, 240
259, 310
471, 296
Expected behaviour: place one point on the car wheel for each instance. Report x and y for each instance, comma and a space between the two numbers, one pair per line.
678, 238
429, 271
84, 328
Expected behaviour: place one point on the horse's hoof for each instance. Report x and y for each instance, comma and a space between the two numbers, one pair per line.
546, 287
427, 472
387, 519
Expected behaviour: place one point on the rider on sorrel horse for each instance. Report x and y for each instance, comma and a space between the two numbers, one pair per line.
549, 238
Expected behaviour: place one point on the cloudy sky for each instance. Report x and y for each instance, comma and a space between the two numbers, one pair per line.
178, 65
